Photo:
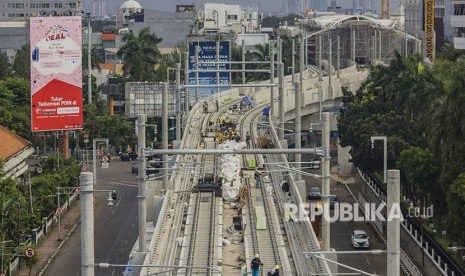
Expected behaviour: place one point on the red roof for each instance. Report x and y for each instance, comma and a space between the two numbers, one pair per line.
108, 37
11, 144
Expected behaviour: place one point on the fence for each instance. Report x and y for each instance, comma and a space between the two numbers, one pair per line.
40, 232
429, 246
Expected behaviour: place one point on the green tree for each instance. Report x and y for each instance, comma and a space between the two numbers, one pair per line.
22, 63
420, 171
5, 68
141, 55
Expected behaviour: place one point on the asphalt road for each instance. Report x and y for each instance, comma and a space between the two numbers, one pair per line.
341, 234
115, 227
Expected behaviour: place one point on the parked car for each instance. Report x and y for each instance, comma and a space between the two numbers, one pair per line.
124, 156
314, 193
128, 156
332, 201
360, 239
314, 163
135, 168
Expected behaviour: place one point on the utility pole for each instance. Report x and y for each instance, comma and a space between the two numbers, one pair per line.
87, 226
218, 68
319, 59
178, 102
293, 60
142, 192
197, 49
164, 127
298, 130
393, 224
281, 102
330, 71
243, 63
272, 111
89, 63
186, 89
326, 181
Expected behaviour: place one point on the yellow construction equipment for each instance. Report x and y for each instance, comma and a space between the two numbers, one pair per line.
429, 28
385, 9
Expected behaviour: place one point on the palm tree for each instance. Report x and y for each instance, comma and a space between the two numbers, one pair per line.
141, 55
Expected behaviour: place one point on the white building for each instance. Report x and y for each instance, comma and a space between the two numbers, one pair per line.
225, 18
10, 9
457, 22
128, 8
100, 9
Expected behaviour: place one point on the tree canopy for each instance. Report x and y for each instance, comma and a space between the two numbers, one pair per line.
419, 107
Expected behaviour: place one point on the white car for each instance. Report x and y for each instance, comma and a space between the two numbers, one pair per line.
360, 239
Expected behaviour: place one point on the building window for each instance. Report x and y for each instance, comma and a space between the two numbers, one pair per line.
232, 16
11, 5
58, 5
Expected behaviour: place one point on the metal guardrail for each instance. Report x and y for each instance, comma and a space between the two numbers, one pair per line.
438, 256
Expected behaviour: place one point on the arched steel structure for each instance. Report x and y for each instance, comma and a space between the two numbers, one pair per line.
363, 40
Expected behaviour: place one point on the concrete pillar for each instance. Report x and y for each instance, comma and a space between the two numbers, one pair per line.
393, 223
142, 191
326, 181
87, 224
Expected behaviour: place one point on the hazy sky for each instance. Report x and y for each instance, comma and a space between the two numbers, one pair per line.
265, 6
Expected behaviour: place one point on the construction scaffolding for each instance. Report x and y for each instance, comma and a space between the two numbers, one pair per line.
363, 40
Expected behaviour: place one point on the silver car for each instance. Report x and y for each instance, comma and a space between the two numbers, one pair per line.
360, 239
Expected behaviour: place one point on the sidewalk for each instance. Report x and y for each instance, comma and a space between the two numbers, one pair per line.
50, 246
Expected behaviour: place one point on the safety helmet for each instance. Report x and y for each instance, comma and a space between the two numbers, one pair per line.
257, 255
276, 267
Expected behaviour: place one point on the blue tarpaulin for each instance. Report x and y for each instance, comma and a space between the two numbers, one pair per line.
266, 111
247, 101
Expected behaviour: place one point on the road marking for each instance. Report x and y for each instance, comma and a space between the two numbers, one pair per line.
125, 242
368, 261
119, 201
113, 272
132, 225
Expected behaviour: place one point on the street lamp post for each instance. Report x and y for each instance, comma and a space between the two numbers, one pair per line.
89, 65
384, 139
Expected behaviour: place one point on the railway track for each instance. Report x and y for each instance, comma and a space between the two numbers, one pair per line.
265, 236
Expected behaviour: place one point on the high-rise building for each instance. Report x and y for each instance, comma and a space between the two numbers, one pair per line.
11, 9
99, 8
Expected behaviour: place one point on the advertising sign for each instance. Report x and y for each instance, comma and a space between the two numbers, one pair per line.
207, 53
56, 73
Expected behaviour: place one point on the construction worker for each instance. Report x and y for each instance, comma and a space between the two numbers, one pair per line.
285, 186
274, 272
247, 139
257, 175
256, 265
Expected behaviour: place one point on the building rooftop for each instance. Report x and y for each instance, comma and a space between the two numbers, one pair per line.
11, 144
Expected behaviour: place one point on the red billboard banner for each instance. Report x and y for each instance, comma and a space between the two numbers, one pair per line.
56, 73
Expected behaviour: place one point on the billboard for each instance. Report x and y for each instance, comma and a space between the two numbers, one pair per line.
208, 53
56, 73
